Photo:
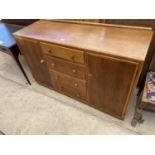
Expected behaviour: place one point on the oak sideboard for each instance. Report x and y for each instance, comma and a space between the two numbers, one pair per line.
97, 64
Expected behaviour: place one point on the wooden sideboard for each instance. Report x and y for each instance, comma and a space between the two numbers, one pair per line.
97, 64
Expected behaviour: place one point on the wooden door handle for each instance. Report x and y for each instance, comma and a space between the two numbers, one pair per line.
42, 61
73, 70
76, 85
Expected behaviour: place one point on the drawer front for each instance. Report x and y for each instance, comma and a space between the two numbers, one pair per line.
63, 52
72, 69
69, 86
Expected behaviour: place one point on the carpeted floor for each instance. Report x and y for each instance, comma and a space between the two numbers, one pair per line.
35, 109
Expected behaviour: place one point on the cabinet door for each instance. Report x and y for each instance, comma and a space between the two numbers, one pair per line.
33, 55
110, 82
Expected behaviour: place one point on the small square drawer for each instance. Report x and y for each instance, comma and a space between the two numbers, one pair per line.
70, 54
66, 67
68, 85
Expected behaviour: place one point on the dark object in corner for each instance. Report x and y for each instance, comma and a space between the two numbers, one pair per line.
23, 22
1, 133
8, 44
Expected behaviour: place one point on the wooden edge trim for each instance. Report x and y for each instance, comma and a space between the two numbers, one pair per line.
132, 88
122, 59
100, 24
79, 49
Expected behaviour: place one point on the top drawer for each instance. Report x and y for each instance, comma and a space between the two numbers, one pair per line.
63, 52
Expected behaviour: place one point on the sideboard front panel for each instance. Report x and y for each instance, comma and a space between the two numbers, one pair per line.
35, 59
109, 83
97, 64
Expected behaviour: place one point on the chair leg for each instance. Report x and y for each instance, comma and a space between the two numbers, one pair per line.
15, 54
2, 133
138, 112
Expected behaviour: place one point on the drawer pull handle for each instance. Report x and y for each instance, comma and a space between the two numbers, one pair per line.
75, 84
53, 64
42, 61
74, 71
49, 51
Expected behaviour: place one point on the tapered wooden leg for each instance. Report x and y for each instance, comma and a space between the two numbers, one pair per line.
15, 54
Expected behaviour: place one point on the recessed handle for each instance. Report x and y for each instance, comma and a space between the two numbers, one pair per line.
42, 61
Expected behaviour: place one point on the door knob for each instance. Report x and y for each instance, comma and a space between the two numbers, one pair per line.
75, 84
42, 61
74, 71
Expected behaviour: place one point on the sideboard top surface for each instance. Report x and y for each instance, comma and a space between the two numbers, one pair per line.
130, 43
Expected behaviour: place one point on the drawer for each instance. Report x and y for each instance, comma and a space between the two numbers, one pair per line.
69, 68
63, 52
68, 85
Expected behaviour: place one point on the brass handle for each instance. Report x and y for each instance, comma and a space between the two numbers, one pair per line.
42, 61
75, 84
73, 70
53, 64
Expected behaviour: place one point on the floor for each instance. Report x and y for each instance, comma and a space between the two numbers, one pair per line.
35, 109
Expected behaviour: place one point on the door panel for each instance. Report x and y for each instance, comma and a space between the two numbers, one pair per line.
32, 52
109, 83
